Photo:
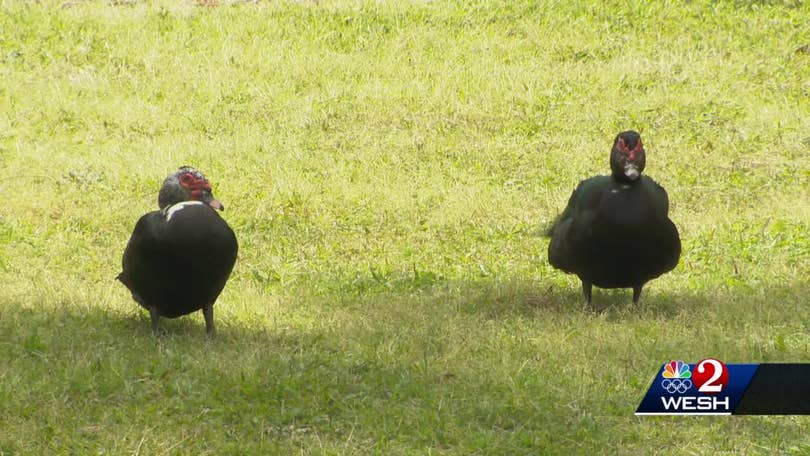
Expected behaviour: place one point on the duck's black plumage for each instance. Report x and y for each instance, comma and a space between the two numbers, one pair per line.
615, 231
179, 258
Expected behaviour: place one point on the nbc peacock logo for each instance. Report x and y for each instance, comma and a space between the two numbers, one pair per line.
694, 389
677, 377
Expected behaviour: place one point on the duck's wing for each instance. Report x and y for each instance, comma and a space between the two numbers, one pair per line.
585, 197
139, 255
658, 196
573, 224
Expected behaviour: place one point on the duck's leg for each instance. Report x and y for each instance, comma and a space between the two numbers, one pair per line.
637, 293
153, 312
587, 289
208, 313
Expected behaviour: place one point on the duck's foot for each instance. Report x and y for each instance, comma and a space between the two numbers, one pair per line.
208, 313
153, 313
637, 293
587, 289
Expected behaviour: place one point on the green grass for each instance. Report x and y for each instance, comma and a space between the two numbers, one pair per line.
389, 168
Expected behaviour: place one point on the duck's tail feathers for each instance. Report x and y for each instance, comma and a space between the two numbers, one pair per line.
548, 231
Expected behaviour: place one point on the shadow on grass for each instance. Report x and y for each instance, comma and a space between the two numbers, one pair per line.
496, 298
249, 384
386, 381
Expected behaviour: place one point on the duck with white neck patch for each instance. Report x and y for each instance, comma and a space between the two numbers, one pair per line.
179, 258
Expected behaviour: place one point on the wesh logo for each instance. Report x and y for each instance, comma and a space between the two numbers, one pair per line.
710, 377
701, 391
713, 388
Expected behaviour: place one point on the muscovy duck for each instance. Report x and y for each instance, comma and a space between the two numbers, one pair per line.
615, 231
179, 257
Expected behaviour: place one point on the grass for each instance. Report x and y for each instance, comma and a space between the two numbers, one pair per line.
389, 168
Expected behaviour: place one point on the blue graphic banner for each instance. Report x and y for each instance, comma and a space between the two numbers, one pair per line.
705, 388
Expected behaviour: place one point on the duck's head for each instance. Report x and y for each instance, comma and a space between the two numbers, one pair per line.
187, 184
627, 157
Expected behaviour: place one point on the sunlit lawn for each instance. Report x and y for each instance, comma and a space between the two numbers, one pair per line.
389, 168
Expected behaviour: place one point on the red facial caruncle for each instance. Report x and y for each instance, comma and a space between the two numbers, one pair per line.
196, 185
631, 154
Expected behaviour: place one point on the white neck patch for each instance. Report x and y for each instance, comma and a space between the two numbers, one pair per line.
169, 211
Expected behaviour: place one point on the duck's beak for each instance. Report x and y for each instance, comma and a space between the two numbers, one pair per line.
208, 198
213, 202
631, 171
